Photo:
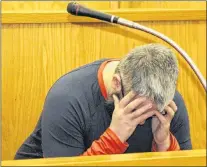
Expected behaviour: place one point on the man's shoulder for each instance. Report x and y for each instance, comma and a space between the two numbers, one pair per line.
76, 84
181, 113
78, 78
178, 99
94, 64
83, 71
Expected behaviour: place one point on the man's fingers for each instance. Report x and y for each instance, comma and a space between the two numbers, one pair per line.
127, 99
170, 113
143, 117
134, 104
161, 118
140, 111
173, 105
116, 100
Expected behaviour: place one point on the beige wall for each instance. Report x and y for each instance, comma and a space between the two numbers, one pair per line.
34, 56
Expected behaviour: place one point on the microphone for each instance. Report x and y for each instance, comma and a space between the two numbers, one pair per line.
79, 10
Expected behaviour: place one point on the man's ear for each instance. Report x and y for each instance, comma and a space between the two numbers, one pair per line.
116, 83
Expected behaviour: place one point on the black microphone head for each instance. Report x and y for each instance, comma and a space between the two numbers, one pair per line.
79, 10
72, 7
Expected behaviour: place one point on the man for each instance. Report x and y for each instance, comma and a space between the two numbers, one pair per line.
113, 107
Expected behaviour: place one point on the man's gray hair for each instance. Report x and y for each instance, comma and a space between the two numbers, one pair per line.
152, 71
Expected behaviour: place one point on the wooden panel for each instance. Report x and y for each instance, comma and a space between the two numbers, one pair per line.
114, 5
34, 56
102, 5
130, 14
180, 158
48, 5
163, 4
49, 12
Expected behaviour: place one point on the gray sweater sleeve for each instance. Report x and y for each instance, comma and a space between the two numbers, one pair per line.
180, 124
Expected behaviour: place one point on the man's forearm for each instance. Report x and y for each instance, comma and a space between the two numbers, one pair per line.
108, 143
172, 145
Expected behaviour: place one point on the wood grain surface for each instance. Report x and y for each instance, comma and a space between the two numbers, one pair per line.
55, 12
177, 158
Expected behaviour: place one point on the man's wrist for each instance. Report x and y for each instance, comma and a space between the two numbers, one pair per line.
118, 134
165, 145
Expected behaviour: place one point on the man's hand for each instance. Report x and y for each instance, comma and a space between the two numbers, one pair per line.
128, 113
161, 127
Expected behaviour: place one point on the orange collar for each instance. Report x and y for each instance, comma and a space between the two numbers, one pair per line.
100, 77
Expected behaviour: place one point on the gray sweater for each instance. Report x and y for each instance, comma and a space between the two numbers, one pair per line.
75, 114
